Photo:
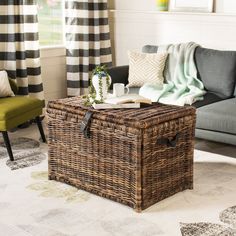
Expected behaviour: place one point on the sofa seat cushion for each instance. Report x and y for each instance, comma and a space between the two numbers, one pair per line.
209, 98
219, 116
134, 90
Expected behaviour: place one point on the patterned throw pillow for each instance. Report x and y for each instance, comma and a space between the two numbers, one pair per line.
5, 88
146, 68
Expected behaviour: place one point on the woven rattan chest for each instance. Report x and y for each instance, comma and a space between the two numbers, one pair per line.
133, 156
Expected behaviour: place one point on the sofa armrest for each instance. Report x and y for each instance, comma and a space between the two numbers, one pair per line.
119, 74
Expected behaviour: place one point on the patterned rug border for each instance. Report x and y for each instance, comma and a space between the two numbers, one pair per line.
26, 153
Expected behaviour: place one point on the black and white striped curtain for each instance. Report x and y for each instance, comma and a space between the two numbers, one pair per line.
19, 45
87, 41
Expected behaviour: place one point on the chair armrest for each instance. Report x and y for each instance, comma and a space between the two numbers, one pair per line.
119, 74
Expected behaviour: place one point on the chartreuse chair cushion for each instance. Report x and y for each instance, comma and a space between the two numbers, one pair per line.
17, 110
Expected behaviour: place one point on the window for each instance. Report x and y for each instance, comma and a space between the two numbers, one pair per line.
50, 16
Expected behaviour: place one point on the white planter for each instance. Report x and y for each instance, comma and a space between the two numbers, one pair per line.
95, 82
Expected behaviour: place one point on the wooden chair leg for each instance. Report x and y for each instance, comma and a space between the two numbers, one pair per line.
8, 144
39, 123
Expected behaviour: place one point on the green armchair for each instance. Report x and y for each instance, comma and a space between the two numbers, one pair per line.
17, 110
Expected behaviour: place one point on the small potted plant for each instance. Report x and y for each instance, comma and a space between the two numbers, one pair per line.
99, 84
162, 5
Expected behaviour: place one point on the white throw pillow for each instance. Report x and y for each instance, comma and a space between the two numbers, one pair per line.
146, 68
5, 88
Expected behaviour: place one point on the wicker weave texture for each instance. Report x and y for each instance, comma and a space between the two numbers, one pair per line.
122, 160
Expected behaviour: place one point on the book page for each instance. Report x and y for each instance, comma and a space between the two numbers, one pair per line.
127, 99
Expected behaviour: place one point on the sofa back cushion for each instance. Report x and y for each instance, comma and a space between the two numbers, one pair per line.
217, 70
149, 49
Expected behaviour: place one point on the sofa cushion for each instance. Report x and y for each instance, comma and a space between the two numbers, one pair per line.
217, 70
208, 98
216, 136
134, 90
219, 116
149, 49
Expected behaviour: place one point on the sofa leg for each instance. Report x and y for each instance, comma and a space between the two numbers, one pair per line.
8, 144
39, 123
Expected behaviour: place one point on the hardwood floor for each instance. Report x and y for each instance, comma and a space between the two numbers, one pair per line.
218, 148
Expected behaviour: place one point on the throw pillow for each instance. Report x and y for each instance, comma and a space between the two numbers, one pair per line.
5, 88
146, 68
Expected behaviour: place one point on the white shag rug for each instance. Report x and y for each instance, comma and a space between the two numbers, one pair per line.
32, 205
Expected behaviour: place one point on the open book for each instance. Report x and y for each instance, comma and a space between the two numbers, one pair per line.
128, 98
125, 101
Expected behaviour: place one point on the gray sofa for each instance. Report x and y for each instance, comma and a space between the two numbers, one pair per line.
216, 114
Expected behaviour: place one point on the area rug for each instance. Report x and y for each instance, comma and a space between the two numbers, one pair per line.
206, 229
26, 153
33, 205
228, 216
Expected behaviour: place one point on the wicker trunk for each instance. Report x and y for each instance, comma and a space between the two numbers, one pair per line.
133, 156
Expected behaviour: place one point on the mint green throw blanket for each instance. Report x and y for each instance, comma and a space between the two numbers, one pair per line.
181, 84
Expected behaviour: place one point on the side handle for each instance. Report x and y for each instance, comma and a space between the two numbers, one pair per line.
169, 142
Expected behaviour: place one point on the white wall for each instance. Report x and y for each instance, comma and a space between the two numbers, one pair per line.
132, 4
53, 65
135, 23
150, 5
